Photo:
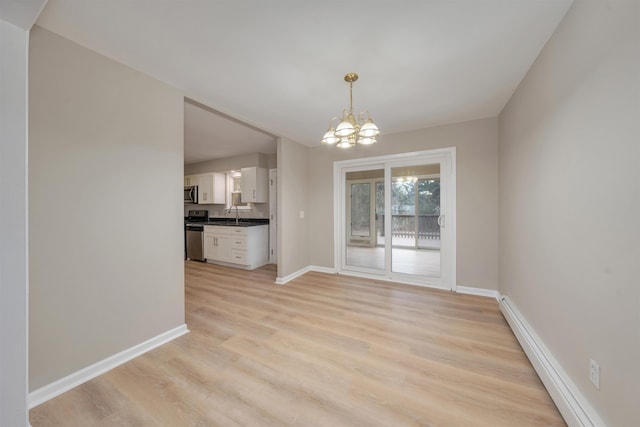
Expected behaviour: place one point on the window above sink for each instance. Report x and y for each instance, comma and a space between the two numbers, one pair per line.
234, 185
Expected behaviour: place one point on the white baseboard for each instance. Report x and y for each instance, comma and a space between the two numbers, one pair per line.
330, 270
58, 387
318, 269
290, 277
575, 409
478, 291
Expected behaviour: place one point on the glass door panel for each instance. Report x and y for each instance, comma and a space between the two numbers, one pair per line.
360, 212
428, 213
365, 220
380, 213
415, 208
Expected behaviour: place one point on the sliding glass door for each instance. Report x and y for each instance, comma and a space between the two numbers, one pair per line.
393, 215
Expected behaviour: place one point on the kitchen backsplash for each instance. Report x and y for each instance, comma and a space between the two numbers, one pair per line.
260, 210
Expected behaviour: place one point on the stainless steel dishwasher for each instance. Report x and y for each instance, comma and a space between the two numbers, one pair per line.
195, 242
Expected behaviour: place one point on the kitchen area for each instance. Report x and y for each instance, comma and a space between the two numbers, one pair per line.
222, 225
229, 191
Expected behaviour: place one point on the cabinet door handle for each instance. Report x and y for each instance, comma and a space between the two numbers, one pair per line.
254, 194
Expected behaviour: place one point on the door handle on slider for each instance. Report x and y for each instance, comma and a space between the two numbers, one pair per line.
441, 221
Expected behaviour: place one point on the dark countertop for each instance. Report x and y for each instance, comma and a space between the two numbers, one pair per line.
230, 222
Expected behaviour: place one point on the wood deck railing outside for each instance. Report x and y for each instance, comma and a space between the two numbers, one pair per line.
404, 226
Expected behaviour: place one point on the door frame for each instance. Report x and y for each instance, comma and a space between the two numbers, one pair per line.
273, 216
447, 159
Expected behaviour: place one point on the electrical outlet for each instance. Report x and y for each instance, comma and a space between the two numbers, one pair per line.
594, 373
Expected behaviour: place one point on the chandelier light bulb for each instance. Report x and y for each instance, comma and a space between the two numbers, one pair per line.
369, 129
344, 143
330, 137
345, 129
367, 140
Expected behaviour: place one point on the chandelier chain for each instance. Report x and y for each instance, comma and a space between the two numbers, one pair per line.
350, 97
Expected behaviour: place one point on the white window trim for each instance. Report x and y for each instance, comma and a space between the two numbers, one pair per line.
229, 186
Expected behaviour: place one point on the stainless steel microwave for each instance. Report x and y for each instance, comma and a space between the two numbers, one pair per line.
191, 194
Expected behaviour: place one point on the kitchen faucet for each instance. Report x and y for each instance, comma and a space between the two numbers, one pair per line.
235, 201
237, 213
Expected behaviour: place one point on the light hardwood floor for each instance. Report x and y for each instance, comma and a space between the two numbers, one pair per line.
323, 350
410, 261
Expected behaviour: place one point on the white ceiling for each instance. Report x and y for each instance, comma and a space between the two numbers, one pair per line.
279, 65
211, 135
21, 13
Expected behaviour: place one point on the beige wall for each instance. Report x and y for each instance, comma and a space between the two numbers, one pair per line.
293, 197
13, 225
569, 236
105, 214
476, 145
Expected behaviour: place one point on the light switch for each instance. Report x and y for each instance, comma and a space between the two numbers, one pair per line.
301, 214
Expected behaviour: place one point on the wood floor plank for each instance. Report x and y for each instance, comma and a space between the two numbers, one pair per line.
323, 350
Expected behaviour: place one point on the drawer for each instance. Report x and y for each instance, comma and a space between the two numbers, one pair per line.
239, 242
239, 231
217, 229
239, 257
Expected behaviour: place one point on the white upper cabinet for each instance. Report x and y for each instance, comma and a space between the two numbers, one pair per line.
190, 180
255, 185
211, 188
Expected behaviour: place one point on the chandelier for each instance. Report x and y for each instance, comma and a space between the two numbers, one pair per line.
351, 129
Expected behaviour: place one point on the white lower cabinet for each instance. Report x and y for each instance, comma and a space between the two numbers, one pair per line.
217, 243
242, 247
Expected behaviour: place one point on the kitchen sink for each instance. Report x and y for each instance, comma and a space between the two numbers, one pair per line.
233, 223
